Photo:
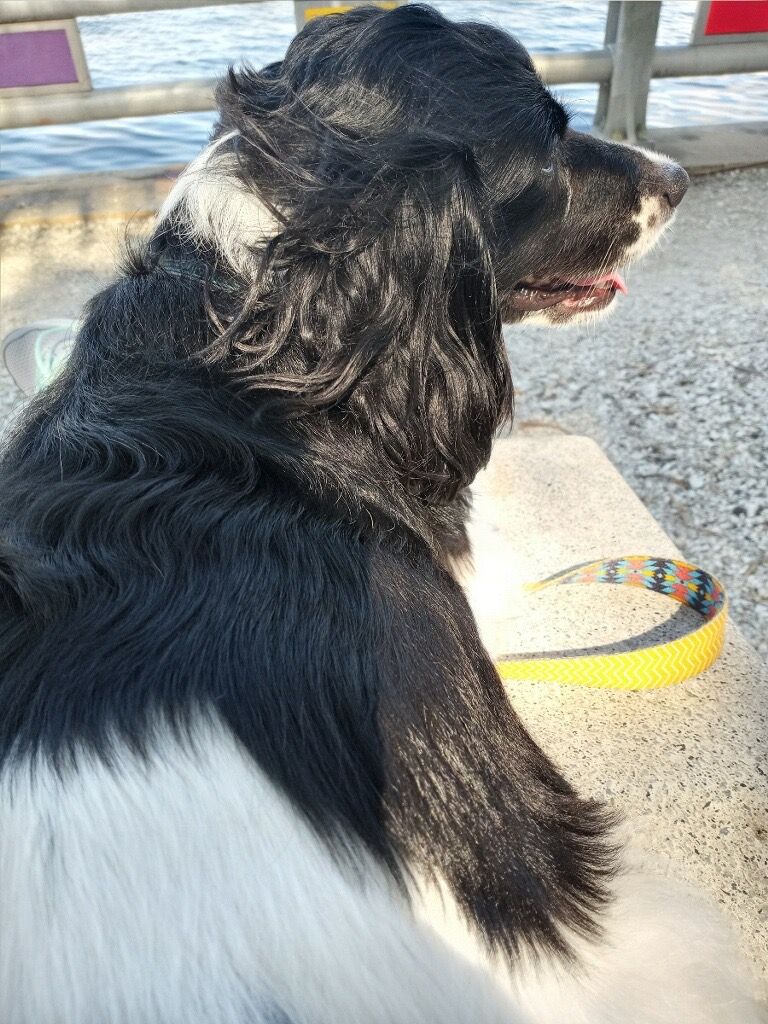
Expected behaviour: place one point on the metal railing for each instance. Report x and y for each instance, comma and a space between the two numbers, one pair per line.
623, 67
53, 10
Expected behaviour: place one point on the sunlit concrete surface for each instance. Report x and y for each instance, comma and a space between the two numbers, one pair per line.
702, 149
687, 766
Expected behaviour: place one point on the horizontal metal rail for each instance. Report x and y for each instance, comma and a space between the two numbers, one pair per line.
106, 104
723, 59
197, 93
573, 66
53, 10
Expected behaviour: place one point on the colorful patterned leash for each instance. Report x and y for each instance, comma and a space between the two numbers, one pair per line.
645, 668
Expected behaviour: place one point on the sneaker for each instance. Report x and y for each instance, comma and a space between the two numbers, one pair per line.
34, 354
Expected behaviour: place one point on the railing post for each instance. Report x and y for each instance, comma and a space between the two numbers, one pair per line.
630, 33
609, 45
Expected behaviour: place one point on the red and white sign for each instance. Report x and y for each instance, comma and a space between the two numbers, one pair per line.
731, 21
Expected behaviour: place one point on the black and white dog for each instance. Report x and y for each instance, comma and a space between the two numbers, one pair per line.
257, 767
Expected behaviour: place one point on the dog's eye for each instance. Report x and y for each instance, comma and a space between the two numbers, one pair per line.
549, 169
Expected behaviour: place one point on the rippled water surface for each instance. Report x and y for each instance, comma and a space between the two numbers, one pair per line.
201, 42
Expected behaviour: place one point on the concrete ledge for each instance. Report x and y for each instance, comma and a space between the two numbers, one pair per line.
129, 194
706, 149
686, 765
81, 198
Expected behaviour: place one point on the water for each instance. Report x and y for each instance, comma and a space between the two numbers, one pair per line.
201, 42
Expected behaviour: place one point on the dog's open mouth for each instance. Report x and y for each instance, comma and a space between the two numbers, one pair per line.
584, 293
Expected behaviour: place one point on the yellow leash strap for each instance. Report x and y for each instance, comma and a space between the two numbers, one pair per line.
646, 668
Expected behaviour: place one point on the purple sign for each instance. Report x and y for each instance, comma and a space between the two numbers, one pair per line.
39, 57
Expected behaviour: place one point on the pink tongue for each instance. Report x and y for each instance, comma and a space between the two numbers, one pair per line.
612, 280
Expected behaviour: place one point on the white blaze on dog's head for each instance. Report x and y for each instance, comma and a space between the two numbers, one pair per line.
653, 218
212, 205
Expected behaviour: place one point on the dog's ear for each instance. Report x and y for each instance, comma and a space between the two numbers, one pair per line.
375, 302
424, 298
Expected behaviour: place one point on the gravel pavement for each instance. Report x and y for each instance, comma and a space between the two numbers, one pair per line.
674, 385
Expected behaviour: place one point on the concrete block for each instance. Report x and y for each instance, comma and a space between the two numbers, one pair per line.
704, 149
77, 199
686, 765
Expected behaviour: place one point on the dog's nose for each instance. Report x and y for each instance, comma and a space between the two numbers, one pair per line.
673, 183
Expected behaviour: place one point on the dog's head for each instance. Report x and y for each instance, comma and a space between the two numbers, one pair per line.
604, 206
388, 194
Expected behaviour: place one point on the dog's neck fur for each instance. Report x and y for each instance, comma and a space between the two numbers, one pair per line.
320, 453
314, 456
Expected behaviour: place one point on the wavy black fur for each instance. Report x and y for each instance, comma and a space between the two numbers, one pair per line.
240, 494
